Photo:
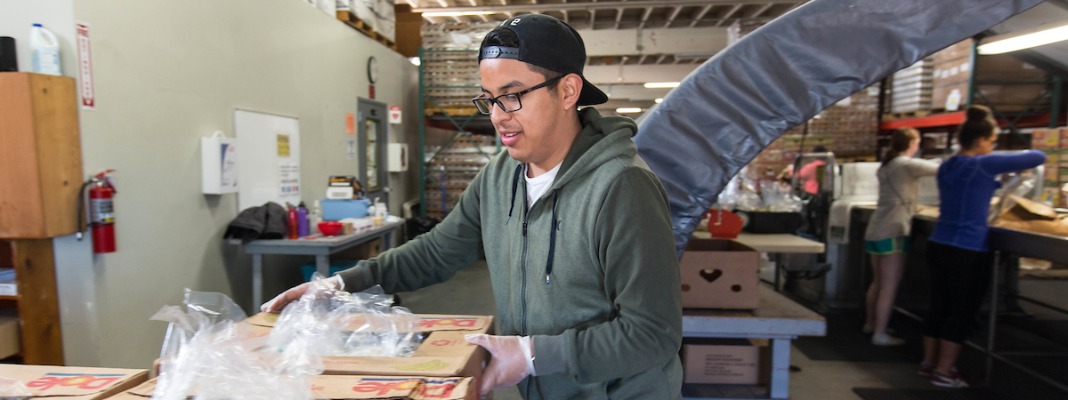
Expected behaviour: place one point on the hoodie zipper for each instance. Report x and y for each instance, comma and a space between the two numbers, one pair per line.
523, 266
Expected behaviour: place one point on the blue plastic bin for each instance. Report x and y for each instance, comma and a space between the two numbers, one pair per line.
335, 210
335, 267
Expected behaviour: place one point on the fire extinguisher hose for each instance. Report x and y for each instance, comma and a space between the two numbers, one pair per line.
82, 225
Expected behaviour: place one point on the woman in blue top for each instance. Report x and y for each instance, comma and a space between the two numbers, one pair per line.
957, 254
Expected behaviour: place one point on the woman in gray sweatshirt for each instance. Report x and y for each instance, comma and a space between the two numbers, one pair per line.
887, 236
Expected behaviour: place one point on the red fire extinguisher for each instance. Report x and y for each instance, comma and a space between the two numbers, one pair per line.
101, 211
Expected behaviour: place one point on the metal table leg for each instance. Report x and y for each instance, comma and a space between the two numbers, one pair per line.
780, 368
322, 265
257, 281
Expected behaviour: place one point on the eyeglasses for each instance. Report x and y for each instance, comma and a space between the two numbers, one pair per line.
508, 102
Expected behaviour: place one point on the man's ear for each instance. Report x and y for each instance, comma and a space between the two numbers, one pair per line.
570, 87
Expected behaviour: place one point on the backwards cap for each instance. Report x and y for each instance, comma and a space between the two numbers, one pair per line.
548, 43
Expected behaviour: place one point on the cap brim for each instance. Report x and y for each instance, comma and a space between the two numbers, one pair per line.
591, 95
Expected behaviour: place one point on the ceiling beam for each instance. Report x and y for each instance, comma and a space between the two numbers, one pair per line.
636, 74
761, 10
728, 15
595, 6
700, 15
705, 41
671, 18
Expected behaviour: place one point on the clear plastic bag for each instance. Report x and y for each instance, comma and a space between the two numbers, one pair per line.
13, 389
330, 322
208, 354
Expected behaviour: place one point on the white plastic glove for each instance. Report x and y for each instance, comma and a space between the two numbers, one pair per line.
280, 302
511, 360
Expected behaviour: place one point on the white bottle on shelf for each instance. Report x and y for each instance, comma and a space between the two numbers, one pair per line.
45, 49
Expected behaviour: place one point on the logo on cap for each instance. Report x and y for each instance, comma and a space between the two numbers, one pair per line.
516, 21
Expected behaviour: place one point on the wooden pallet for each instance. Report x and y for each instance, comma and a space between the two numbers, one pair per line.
350, 19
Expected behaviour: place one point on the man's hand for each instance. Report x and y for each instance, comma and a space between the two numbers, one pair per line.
280, 302
511, 360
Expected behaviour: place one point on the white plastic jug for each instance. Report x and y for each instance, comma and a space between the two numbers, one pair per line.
45, 51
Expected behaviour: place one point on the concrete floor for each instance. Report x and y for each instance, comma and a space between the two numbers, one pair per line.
469, 293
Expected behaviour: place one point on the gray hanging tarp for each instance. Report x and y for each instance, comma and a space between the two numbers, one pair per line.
739, 101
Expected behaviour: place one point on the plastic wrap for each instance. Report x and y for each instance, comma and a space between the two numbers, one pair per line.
13, 389
207, 353
739, 101
336, 323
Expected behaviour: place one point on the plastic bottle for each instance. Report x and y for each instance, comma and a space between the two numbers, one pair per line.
45, 49
291, 221
302, 220
316, 215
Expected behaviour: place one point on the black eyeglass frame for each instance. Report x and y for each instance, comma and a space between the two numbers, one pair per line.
494, 100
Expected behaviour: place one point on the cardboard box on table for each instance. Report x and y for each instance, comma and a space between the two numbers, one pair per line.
443, 352
73, 383
363, 388
726, 361
719, 273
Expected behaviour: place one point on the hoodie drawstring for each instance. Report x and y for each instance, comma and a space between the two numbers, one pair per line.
554, 224
515, 185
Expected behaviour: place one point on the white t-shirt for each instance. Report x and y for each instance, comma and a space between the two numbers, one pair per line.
538, 185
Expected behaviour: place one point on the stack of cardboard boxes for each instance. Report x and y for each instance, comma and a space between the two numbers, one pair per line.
1053, 142
1002, 82
444, 366
910, 88
722, 274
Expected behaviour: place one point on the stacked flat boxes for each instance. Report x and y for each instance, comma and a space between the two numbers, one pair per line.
1002, 82
1053, 142
455, 165
450, 66
910, 88
848, 129
450, 80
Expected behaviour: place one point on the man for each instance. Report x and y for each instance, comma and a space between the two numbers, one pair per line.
574, 226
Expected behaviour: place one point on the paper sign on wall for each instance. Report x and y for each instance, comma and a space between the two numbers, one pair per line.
394, 115
283, 145
85, 67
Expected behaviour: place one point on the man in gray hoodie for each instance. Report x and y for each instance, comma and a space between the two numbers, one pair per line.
575, 229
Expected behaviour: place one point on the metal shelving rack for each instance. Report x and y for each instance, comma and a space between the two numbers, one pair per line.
448, 79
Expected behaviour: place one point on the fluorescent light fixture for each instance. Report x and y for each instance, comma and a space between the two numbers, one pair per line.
415, 61
1040, 35
458, 13
628, 110
661, 85
658, 100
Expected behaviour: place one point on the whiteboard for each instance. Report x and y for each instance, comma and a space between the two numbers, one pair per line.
269, 156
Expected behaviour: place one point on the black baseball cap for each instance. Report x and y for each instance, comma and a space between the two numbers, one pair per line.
548, 43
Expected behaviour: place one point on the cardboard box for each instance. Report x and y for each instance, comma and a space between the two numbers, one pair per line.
726, 361
73, 383
326, 387
443, 353
960, 50
719, 273
9, 335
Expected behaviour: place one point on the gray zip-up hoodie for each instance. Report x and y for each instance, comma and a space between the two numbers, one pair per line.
599, 294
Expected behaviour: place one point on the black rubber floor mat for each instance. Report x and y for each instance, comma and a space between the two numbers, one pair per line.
927, 394
846, 342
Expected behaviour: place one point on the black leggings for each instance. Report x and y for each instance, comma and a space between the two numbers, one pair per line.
959, 281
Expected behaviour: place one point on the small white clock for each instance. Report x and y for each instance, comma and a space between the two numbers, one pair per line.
372, 69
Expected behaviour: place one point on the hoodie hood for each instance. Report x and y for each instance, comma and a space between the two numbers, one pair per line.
600, 140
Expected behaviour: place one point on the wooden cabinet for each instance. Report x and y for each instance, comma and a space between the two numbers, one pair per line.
40, 175
40, 159
37, 301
